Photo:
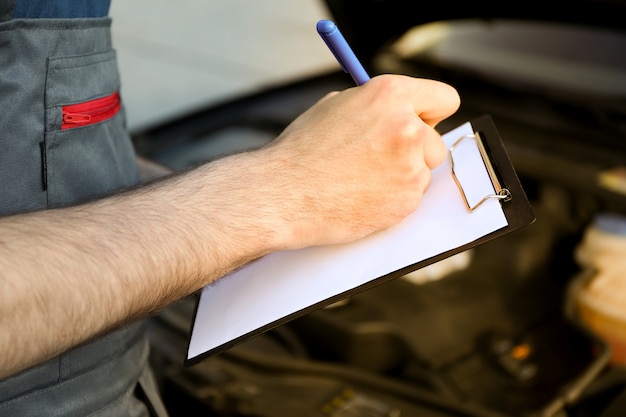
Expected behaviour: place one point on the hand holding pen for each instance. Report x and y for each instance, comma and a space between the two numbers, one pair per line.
363, 156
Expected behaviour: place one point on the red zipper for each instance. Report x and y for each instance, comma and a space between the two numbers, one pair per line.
90, 112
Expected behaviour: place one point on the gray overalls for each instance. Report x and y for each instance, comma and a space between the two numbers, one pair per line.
63, 139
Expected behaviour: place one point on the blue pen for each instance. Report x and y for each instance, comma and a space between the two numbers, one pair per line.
342, 51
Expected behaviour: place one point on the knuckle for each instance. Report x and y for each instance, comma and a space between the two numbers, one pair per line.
408, 129
389, 85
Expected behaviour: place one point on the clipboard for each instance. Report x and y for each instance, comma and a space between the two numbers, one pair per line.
282, 286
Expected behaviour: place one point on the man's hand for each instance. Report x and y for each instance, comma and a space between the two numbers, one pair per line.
360, 160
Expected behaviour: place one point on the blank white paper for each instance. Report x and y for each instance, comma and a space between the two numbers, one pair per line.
280, 284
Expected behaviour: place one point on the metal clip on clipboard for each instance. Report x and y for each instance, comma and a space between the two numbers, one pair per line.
502, 193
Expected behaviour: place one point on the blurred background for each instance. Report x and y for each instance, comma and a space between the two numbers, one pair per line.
531, 324
177, 56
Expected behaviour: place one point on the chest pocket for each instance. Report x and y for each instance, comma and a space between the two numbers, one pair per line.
86, 151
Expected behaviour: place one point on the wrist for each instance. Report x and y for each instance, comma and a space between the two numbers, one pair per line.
240, 205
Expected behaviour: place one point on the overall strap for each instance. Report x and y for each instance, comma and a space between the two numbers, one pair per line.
60, 9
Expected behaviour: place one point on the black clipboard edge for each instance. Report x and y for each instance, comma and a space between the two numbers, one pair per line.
517, 210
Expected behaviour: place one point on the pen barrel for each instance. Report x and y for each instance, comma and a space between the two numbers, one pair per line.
343, 53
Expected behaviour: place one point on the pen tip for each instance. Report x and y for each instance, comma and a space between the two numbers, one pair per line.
326, 26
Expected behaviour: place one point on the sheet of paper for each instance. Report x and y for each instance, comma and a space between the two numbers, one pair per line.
280, 284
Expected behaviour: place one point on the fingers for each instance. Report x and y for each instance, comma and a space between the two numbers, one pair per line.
430, 100
435, 151
433, 101
436, 101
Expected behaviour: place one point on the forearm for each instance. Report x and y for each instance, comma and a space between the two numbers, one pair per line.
72, 274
